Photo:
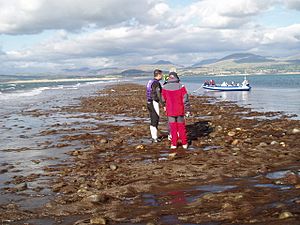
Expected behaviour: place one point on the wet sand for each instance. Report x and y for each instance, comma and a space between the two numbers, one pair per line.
242, 167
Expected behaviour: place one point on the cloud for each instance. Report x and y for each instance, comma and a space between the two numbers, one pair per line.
292, 4
34, 16
220, 14
92, 34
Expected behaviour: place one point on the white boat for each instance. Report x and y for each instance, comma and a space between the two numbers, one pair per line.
225, 87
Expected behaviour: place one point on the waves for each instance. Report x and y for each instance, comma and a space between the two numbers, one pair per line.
28, 88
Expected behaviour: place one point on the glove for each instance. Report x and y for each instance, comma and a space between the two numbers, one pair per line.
187, 114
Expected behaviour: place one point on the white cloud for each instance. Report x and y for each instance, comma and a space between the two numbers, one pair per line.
223, 14
34, 16
109, 33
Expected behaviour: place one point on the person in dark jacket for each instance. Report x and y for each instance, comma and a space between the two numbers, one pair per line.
175, 96
153, 99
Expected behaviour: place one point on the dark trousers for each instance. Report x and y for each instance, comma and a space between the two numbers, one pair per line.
153, 112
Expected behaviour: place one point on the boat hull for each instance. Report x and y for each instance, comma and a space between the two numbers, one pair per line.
227, 88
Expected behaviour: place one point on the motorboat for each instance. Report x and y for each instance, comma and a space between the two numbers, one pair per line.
245, 86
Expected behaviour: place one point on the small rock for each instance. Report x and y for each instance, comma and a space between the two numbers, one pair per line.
57, 187
3, 171
285, 215
140, 147
297, 186
262, 144
219, 128
282, 144
274, 143
98, 198
295, 131
172, 155
113, 167
98, 220
248, 140
76, 153
150, 223
36, 161
231, 133
21, 187
103, 141
238, 129
235, 142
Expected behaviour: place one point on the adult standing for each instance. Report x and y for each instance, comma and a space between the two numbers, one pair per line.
154, 90
175, 96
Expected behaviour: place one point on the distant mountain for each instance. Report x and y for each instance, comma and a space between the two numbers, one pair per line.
205, 62
246, 58
82, 69
162, 62
133, 72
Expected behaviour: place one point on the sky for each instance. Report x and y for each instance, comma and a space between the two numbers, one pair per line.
53, 35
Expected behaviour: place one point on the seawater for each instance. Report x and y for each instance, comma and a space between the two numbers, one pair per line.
272, 92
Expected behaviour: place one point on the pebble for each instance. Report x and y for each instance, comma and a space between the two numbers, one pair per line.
21, 187
262, 144
219, 128
140, 147
98, 220
274, 143
235, 142
282, 144
103, 141
98, 198
297, 186
231, 133
295, 131
285, 215
113, 167
172, 155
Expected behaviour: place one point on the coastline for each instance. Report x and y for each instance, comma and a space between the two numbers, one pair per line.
121, 177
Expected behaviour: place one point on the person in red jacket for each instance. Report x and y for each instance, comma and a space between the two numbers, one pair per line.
176, 100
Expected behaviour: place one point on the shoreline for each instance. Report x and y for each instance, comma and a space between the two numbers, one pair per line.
119, 176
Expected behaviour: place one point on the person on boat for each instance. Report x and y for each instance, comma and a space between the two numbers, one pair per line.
206, 83
175, 97
245, 83
224, 84
154, 97
212, 82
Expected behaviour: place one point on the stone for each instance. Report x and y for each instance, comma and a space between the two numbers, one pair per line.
262, 144
98, 198
285, 215
98, 220
140, 147
21, 187
282, 144
219, 128
231, 133
295, 131
103, 141
274, 143
297, 186
235, 142
172, 155
113, 167
238, 129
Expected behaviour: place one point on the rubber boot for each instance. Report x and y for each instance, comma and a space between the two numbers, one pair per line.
153, 131
182, 133
173, 131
